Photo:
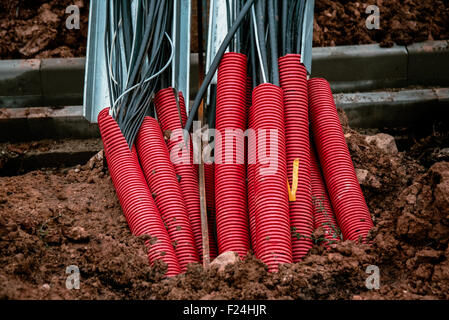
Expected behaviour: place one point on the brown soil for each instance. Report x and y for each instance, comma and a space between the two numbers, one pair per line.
403, 22
37, 29
56, 218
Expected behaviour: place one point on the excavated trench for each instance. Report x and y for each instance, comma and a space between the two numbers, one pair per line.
56, 217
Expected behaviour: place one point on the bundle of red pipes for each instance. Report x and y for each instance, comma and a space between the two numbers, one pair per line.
268, 202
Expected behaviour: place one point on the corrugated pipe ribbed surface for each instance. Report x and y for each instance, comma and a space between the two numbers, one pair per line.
252, 152
209, 179
272, 220
293, 76
230, 172
250, 170
134, 195
181, 156
161, 178
324, 216
347, 199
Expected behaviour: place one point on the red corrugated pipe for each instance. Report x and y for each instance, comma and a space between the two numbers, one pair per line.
272, 220
161, 178
168, 116
347, 199
324, 216
134, 195
250, 169
209, 179
252, 149
293, 76
230, 178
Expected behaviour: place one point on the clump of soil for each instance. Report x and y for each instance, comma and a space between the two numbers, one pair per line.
431, 149
53, 219
401, 21
37, 29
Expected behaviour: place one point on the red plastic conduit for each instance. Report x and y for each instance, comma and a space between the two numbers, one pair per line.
230, 178
134, 195
168, 117
161, 177
209, 179
273, 244
293, 76
324, 216
210, 189
252, 149
347, 199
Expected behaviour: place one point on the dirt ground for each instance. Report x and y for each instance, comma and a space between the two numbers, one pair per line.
36, 28
401, 21
51, 219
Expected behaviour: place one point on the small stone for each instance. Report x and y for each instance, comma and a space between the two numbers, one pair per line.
367, 179
46, 286
411, 199
383, 141
362, 174
77, 170
225, 259
96, 161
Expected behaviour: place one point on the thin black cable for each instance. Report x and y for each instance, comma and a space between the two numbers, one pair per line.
273, 43
290, 27
127, 25
300, 26
261, 31
216, 62
284, 26
252, 56
213, 106
229, 22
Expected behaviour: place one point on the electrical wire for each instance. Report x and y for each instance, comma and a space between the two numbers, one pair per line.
273, 42
256, 36
216, 62
152, 76
260, 10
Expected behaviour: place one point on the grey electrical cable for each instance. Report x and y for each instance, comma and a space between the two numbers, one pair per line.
216, 62
256, 36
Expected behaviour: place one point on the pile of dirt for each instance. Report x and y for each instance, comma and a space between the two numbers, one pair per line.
37, 29
50, 220
401, 21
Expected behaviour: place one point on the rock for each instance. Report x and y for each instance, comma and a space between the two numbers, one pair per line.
46, 286
367, 179
362, 175
384, 142
77, 234
96, 161
225, 259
